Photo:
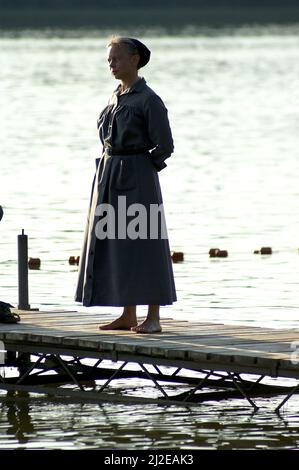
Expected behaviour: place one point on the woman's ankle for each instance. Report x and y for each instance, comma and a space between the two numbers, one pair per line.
129, 312
153, 312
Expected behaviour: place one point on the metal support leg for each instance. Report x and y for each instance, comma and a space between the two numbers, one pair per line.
294, 390
97, 364
198, 386
176, 371
157, 369
95, 367
252, 384
242, 391
30, 369
67, 370
154, 380
112, 377
257, 382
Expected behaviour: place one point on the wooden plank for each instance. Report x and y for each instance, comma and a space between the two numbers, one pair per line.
176, 350
194, 342
173, 326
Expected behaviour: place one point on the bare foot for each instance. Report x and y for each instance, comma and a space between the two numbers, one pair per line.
148, 326
122, 323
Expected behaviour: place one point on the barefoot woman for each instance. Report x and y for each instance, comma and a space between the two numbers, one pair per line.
121, 267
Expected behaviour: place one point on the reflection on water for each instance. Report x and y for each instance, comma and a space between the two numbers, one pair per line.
232, 96
38, 424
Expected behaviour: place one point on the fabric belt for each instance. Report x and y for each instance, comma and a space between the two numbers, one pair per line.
111, 151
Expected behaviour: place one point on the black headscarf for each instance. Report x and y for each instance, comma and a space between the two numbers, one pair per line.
143, 52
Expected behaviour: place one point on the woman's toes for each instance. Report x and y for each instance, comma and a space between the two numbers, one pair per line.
147, 329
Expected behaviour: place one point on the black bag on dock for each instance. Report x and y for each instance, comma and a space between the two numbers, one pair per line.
6, 315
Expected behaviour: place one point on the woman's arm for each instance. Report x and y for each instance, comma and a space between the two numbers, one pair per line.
159, 131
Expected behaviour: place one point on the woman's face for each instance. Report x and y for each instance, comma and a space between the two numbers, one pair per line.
122, 65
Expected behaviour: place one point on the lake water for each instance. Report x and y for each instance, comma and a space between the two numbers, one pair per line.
232, 183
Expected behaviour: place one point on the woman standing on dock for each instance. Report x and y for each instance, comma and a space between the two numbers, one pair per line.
129, 264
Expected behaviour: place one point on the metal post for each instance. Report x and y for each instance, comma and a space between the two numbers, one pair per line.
23, 272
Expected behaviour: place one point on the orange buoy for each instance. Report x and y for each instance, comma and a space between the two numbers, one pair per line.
222, 254
72, 260
213, 252
177, 256
217, 253
34, 263
266, 250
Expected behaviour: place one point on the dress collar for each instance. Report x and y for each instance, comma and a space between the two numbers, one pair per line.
136, 87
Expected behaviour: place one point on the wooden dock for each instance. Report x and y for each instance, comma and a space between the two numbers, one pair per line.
48, 347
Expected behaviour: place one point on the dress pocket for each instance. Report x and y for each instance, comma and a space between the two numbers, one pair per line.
125, 175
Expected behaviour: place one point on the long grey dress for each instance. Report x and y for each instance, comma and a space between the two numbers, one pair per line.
137, 139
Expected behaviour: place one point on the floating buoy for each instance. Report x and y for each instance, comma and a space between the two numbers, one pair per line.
74, 260
266, 250
217, 253
222, 254
213, 252
177, 256
34, 263
256, 252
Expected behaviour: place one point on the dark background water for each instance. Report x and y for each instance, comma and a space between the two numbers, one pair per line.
169, 14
